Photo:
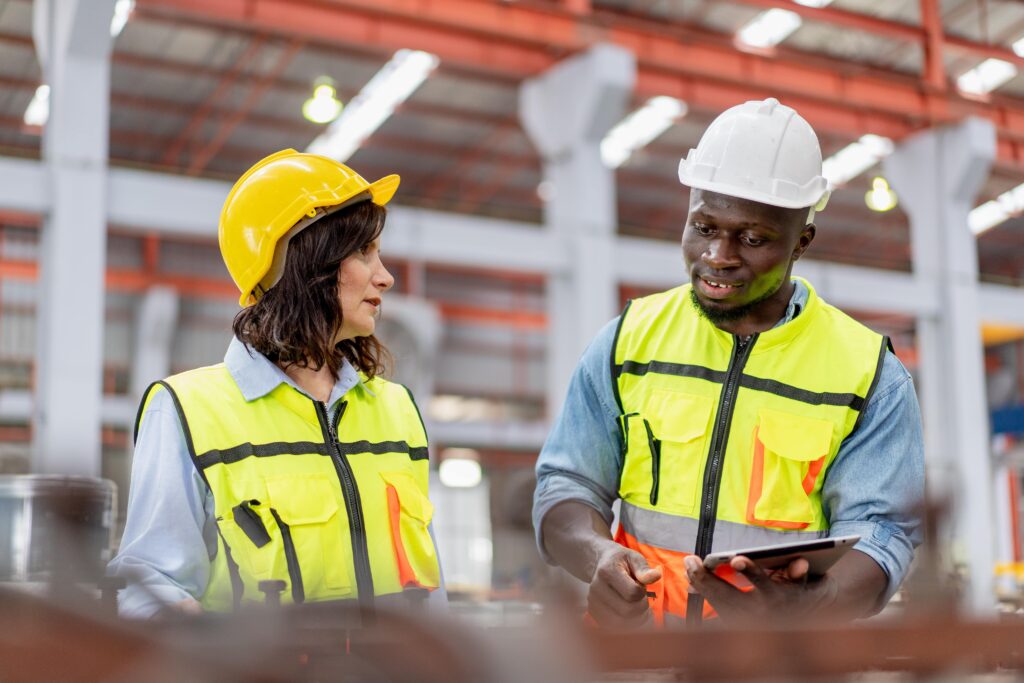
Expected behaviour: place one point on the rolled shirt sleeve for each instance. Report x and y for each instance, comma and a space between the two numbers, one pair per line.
875, 486
582, 456
168, 537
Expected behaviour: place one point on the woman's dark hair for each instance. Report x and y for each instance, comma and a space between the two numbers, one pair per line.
296, 321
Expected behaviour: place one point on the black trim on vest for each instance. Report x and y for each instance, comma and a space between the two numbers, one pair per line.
676, 369
616, 370
242, 451
184, 425
886, 346
291, 559
771, 386
419, 414
237, 585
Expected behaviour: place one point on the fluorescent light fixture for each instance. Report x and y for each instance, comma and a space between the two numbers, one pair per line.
992, 213
814, 3
1018, 47
460, 468
639, 128
38, 110
855, 158
770, 28
365, 113
122, 12
986, 77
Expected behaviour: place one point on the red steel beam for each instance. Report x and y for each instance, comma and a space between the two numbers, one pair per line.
259, 88
227, 81
522, 39
935, 70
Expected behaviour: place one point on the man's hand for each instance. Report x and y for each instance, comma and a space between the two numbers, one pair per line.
617, 596
782, 593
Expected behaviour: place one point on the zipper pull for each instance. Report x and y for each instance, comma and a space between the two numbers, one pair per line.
330, 423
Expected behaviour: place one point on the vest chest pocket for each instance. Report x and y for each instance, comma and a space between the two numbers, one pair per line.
789, 454
409, 515
664, 450
312, 538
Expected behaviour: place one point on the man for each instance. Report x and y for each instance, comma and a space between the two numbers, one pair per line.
738, 410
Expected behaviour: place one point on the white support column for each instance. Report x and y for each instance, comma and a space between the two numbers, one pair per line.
155, 323
937, 174
566, 112
73, 42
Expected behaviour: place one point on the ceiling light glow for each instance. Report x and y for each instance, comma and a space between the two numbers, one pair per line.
770, 28
855, 158
392, 85
122, 12
324, 106
992, 213
880, 197
639, 128
814, 3
460, 468
986, 77
38, 110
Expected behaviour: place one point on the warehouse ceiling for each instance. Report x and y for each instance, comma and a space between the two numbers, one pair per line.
207, 87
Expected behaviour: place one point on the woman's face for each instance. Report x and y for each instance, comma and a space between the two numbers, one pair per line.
362, 281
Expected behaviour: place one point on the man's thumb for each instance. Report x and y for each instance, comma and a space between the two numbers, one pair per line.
643, 572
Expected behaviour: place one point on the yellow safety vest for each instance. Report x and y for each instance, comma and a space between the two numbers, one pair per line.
728, 441
337, 510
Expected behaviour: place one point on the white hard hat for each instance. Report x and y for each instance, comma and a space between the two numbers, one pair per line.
761, 151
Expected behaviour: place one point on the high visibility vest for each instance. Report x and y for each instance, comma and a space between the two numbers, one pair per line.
728, 441
336, 509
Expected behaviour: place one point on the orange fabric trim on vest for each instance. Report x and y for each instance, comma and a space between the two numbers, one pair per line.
757, 479
670, 594
406, 575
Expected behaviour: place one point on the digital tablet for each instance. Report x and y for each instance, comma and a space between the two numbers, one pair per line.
821, 553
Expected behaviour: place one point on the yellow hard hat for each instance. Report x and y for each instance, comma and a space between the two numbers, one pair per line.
275, 199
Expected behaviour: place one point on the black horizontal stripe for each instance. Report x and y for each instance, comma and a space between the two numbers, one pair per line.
771, 386
664, 368
260, 450
380, 447
245, 450
852, 401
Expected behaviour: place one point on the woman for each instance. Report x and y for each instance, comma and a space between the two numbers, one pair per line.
293, 460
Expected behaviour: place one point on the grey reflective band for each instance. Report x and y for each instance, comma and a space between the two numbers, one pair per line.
679, 534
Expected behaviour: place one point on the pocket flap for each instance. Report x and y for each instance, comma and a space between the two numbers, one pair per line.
794, 437
302, 500
411, 498
678, 417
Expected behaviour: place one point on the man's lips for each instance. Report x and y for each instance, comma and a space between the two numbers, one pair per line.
715, 288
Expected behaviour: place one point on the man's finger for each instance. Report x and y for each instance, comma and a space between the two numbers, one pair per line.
610, 605
798, 569
618, 577
752, 571
642, 572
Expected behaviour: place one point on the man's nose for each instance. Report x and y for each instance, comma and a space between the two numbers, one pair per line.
721, 254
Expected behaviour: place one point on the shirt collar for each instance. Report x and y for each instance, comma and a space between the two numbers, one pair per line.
256, 376
797, 302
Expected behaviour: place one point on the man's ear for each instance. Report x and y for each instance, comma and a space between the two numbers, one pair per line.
806, 237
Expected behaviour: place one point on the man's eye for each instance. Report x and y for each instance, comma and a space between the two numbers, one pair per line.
754, 241
702, 229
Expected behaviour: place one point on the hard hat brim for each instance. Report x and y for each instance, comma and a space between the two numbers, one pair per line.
381, 191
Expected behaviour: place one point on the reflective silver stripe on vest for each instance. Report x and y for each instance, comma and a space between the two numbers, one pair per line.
679, 534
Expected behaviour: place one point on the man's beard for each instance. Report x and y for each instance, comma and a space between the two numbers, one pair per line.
718, 316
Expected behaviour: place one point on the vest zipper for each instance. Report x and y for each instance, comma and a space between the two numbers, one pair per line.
294, 571
713, 472
353, 505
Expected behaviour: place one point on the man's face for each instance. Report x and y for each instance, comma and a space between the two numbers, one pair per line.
739, 254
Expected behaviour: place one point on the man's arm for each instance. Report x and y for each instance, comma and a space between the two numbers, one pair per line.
875, 489
577, 481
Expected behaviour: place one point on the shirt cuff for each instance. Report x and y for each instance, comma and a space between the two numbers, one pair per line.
884, 543
561, 489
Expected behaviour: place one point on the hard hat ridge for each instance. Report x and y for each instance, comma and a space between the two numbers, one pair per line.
763, 151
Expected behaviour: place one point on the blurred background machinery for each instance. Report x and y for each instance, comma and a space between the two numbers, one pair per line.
537, 141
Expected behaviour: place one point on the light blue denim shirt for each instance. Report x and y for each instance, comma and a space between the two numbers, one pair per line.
873, 488
170, 537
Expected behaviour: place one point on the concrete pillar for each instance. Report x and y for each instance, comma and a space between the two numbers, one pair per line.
73, 43
566, 112
937, 174
156, 321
